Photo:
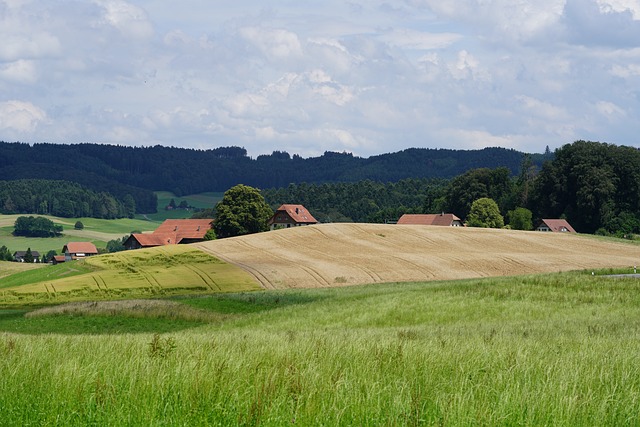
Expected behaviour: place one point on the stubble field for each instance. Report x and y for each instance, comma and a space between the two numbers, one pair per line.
348, 254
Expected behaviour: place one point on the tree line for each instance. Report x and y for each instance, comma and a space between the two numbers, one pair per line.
63, 199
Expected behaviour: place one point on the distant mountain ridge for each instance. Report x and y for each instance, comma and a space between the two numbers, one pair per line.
138, 171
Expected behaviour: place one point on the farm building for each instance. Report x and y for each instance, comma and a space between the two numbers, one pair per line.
555, 225
78, 250
287, 216
171, 232
57, 259
19, 256
442, 219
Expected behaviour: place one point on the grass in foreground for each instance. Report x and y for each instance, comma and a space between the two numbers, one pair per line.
543, 350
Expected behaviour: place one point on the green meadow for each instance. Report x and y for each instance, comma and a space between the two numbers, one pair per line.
201, 200
557, 349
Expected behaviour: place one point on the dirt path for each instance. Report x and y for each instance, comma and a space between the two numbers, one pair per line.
347, 254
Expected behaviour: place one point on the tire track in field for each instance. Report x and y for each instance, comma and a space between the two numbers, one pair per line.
288, 262
259, 277
151, 279
204, 276
373, 275
417, 266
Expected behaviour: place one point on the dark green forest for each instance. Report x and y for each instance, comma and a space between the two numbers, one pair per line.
61, 198
138, 171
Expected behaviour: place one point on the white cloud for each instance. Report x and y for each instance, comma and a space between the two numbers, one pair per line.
610, 110
273, 43
20, 116
130, 20
21, 71
621, 6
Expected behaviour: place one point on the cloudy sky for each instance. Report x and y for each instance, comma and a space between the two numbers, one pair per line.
366, 77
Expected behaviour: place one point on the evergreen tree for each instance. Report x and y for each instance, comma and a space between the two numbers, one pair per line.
28, 256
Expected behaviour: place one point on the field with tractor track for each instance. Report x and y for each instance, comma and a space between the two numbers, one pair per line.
348, 254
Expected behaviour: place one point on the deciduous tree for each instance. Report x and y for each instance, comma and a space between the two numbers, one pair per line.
485, 213
242, 210
520, 219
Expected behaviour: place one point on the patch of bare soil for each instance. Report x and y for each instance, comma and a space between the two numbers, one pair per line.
347, 254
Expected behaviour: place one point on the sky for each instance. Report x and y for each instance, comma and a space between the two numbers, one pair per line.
365, 77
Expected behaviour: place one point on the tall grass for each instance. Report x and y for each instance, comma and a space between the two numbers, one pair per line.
545, 350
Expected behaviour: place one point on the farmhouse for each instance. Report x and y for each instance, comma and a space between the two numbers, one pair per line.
443, 219
78, 250
171, 232
19, 256
555, 225
291, 216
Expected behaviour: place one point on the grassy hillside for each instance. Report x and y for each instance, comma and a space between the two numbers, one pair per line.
346, 254
97, 231
144, 272
7, 268
557, 349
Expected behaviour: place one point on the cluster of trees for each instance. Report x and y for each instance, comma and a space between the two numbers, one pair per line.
596, 186
5, 254
30, 226
61, 198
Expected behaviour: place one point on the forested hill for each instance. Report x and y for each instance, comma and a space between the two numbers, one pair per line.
187, 171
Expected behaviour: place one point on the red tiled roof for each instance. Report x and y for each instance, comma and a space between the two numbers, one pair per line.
80, 247
298, 213
428, 219
155, 239
558, 225
184, 228
173, 231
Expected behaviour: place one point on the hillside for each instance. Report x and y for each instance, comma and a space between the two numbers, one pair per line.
348, 254
138, 171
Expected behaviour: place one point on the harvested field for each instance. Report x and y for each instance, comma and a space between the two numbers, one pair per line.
348, 254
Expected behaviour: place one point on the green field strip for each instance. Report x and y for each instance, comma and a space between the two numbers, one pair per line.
155, 270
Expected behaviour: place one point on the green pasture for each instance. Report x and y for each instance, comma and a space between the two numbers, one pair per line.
144, 272
8, 268
201, 200
559, 349
96, 231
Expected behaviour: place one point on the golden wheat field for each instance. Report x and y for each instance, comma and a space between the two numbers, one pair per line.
347, 254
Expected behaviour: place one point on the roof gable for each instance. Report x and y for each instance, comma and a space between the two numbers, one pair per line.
297, 213
558, 225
